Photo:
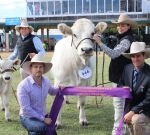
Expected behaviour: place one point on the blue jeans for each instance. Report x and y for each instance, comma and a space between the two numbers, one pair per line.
34, 126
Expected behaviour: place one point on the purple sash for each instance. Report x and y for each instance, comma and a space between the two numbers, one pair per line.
87, 91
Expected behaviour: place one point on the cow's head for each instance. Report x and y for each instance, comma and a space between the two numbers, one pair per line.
7, 67
82, 33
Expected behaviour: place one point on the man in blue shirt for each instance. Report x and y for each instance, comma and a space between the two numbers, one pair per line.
27, 45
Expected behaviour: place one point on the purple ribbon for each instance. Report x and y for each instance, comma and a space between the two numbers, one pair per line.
87, 91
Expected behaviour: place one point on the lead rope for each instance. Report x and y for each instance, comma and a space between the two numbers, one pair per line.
96, 73
15, 94
96, 76
23, 61
16, 70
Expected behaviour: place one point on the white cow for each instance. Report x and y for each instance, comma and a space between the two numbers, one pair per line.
6, 69
73, 60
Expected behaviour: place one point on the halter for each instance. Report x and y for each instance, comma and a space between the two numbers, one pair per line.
81, 41
7, 70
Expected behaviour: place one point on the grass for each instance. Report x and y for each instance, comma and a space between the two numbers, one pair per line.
100, 119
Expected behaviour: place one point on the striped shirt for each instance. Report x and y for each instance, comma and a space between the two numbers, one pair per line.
37, 44
118, 50
32, 97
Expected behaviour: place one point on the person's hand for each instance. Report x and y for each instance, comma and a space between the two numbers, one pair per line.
128, 117
61, 87
47, 121
97, 39
128, 87
31, 55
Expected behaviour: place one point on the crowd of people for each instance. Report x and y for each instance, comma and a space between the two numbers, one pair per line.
127, 69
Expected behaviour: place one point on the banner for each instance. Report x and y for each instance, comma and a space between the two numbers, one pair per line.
87, 91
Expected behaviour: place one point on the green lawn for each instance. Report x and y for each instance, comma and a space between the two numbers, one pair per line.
100, 119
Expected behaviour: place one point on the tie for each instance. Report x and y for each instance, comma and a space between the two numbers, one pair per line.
135, 78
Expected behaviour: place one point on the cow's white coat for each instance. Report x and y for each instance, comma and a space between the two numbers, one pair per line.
71, 55
6, 65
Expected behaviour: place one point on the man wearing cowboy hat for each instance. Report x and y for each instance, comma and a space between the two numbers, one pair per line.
125, 38
32, 93
27, 45
136, 76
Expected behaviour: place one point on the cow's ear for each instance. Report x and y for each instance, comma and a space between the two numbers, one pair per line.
100, 27
16, 62
66, 30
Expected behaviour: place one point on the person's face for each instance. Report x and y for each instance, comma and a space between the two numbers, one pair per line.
138, 60
37, 69
24, 31
122, 28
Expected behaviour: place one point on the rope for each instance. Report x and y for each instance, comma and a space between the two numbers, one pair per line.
96, 76
22, 62
15, 95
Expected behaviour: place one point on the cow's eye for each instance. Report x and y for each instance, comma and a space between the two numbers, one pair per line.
93, 34
74, 35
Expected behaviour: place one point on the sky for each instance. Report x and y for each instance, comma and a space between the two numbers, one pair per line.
12, 9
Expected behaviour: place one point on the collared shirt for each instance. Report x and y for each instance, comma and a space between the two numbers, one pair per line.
37, 44
32, 97
139, 71
118, 50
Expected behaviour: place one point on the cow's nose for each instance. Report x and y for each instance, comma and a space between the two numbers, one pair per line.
7, 78
88, 50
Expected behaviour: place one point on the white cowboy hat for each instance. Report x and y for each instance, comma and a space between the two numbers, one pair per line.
38, 59
123, 18
137, 47
24, 24
143, 43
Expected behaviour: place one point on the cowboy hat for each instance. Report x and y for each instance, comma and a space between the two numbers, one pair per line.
24, 24
123, 18
36, 59
137, 47
143, 43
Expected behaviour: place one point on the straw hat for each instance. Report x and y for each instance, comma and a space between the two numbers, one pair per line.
24, 23
137, 47
38, 59
123, 18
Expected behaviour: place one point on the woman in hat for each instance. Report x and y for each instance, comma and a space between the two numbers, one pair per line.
27, 45
32, 93
118, 61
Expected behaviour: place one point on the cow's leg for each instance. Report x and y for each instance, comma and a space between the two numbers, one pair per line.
82, 116
66, 98
6, 104
1, 103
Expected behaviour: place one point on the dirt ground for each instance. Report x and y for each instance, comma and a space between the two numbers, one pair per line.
6, 54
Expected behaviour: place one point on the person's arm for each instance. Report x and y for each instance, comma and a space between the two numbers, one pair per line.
24, 102
38, 46
54, 89
14, 54
117, 51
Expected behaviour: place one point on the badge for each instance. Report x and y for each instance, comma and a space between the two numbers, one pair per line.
85, 73
142, 88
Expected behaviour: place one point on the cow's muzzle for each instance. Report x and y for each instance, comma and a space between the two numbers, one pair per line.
87, 51
7, 78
